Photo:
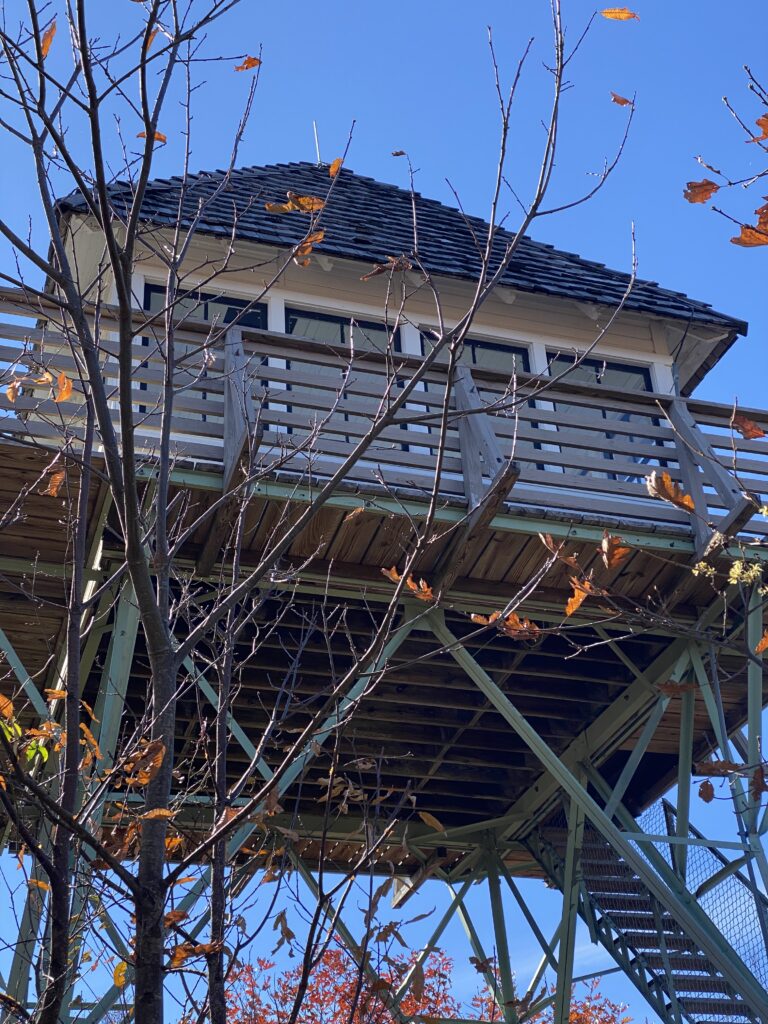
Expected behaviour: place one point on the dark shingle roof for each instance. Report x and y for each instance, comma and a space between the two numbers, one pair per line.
367, 220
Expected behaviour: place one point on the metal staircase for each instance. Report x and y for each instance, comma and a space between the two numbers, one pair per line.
677, 977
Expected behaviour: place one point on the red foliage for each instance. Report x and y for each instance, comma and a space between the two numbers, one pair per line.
337, 995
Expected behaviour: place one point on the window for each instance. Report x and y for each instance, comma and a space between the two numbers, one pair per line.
623, 377
333, 329
497, 356
205, 308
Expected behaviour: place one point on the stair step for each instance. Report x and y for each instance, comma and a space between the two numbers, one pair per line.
628, 886
625, 901
678, 962
650, 940
699, 983
715, 1007
640, 922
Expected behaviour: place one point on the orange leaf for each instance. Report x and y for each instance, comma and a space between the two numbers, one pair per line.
158, 136
90, 739
622, 101
63, 388
306, 204
54, 694
707, 791
485, 620
13, 390
432, 821
151, 37
119, 975
335, 167
156, 814
248, 64
514, 626
55, 483
613, 550
422, 590
700, 191
619, 14
6, 707
37, 884
581, 589
751, 237
392, 574
45, 42
757, 783
748, 429
174, 917
763, 644
762, 124
661, 485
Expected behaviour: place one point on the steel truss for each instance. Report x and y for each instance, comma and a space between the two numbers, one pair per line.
655, 893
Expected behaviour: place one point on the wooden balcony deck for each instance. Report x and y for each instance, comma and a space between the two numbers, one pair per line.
583, 451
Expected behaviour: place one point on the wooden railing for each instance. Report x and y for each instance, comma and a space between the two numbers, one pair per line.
583, 450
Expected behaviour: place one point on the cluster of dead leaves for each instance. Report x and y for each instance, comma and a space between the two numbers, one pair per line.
304, 249
421, 590
144, 763
751, 235
343, 789
510, 625
758, 784
181, 953
62, 390
296, 204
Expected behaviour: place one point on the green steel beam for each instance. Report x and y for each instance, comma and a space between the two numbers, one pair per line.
571, 890
753, 633
506, 977
638, 752
30, 690
663, 883
684, 769
477, 948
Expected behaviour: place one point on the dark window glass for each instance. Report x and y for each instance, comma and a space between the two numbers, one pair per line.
496, 355
331, 329
618, 376
208, 308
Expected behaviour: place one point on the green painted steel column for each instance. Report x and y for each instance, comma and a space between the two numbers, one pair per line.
508, 995
571, 887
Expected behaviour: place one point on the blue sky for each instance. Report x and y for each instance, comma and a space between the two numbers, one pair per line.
418, 77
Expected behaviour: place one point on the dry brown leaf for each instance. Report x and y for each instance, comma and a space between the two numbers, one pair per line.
91, 741
351, 516
6, 708
13, 390
619, 14
248, 64
717, 769
750, 237
151, 37
748, 429
35, 883
63, 388
613, 551
520, 629
398, 152
763, 644
159, 137
582, 588
55, 483
700, 191
335, 167
157, 814
762, 124
394, 264
47, 40
392, 574
661, 485
296, 204
622, 101
174, 917
485, 620
757, 783
707, 791
54, 694
432, 821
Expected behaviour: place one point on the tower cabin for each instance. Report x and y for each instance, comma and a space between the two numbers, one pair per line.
541, 750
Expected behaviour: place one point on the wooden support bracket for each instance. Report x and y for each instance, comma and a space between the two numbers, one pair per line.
239, 422
478, 442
